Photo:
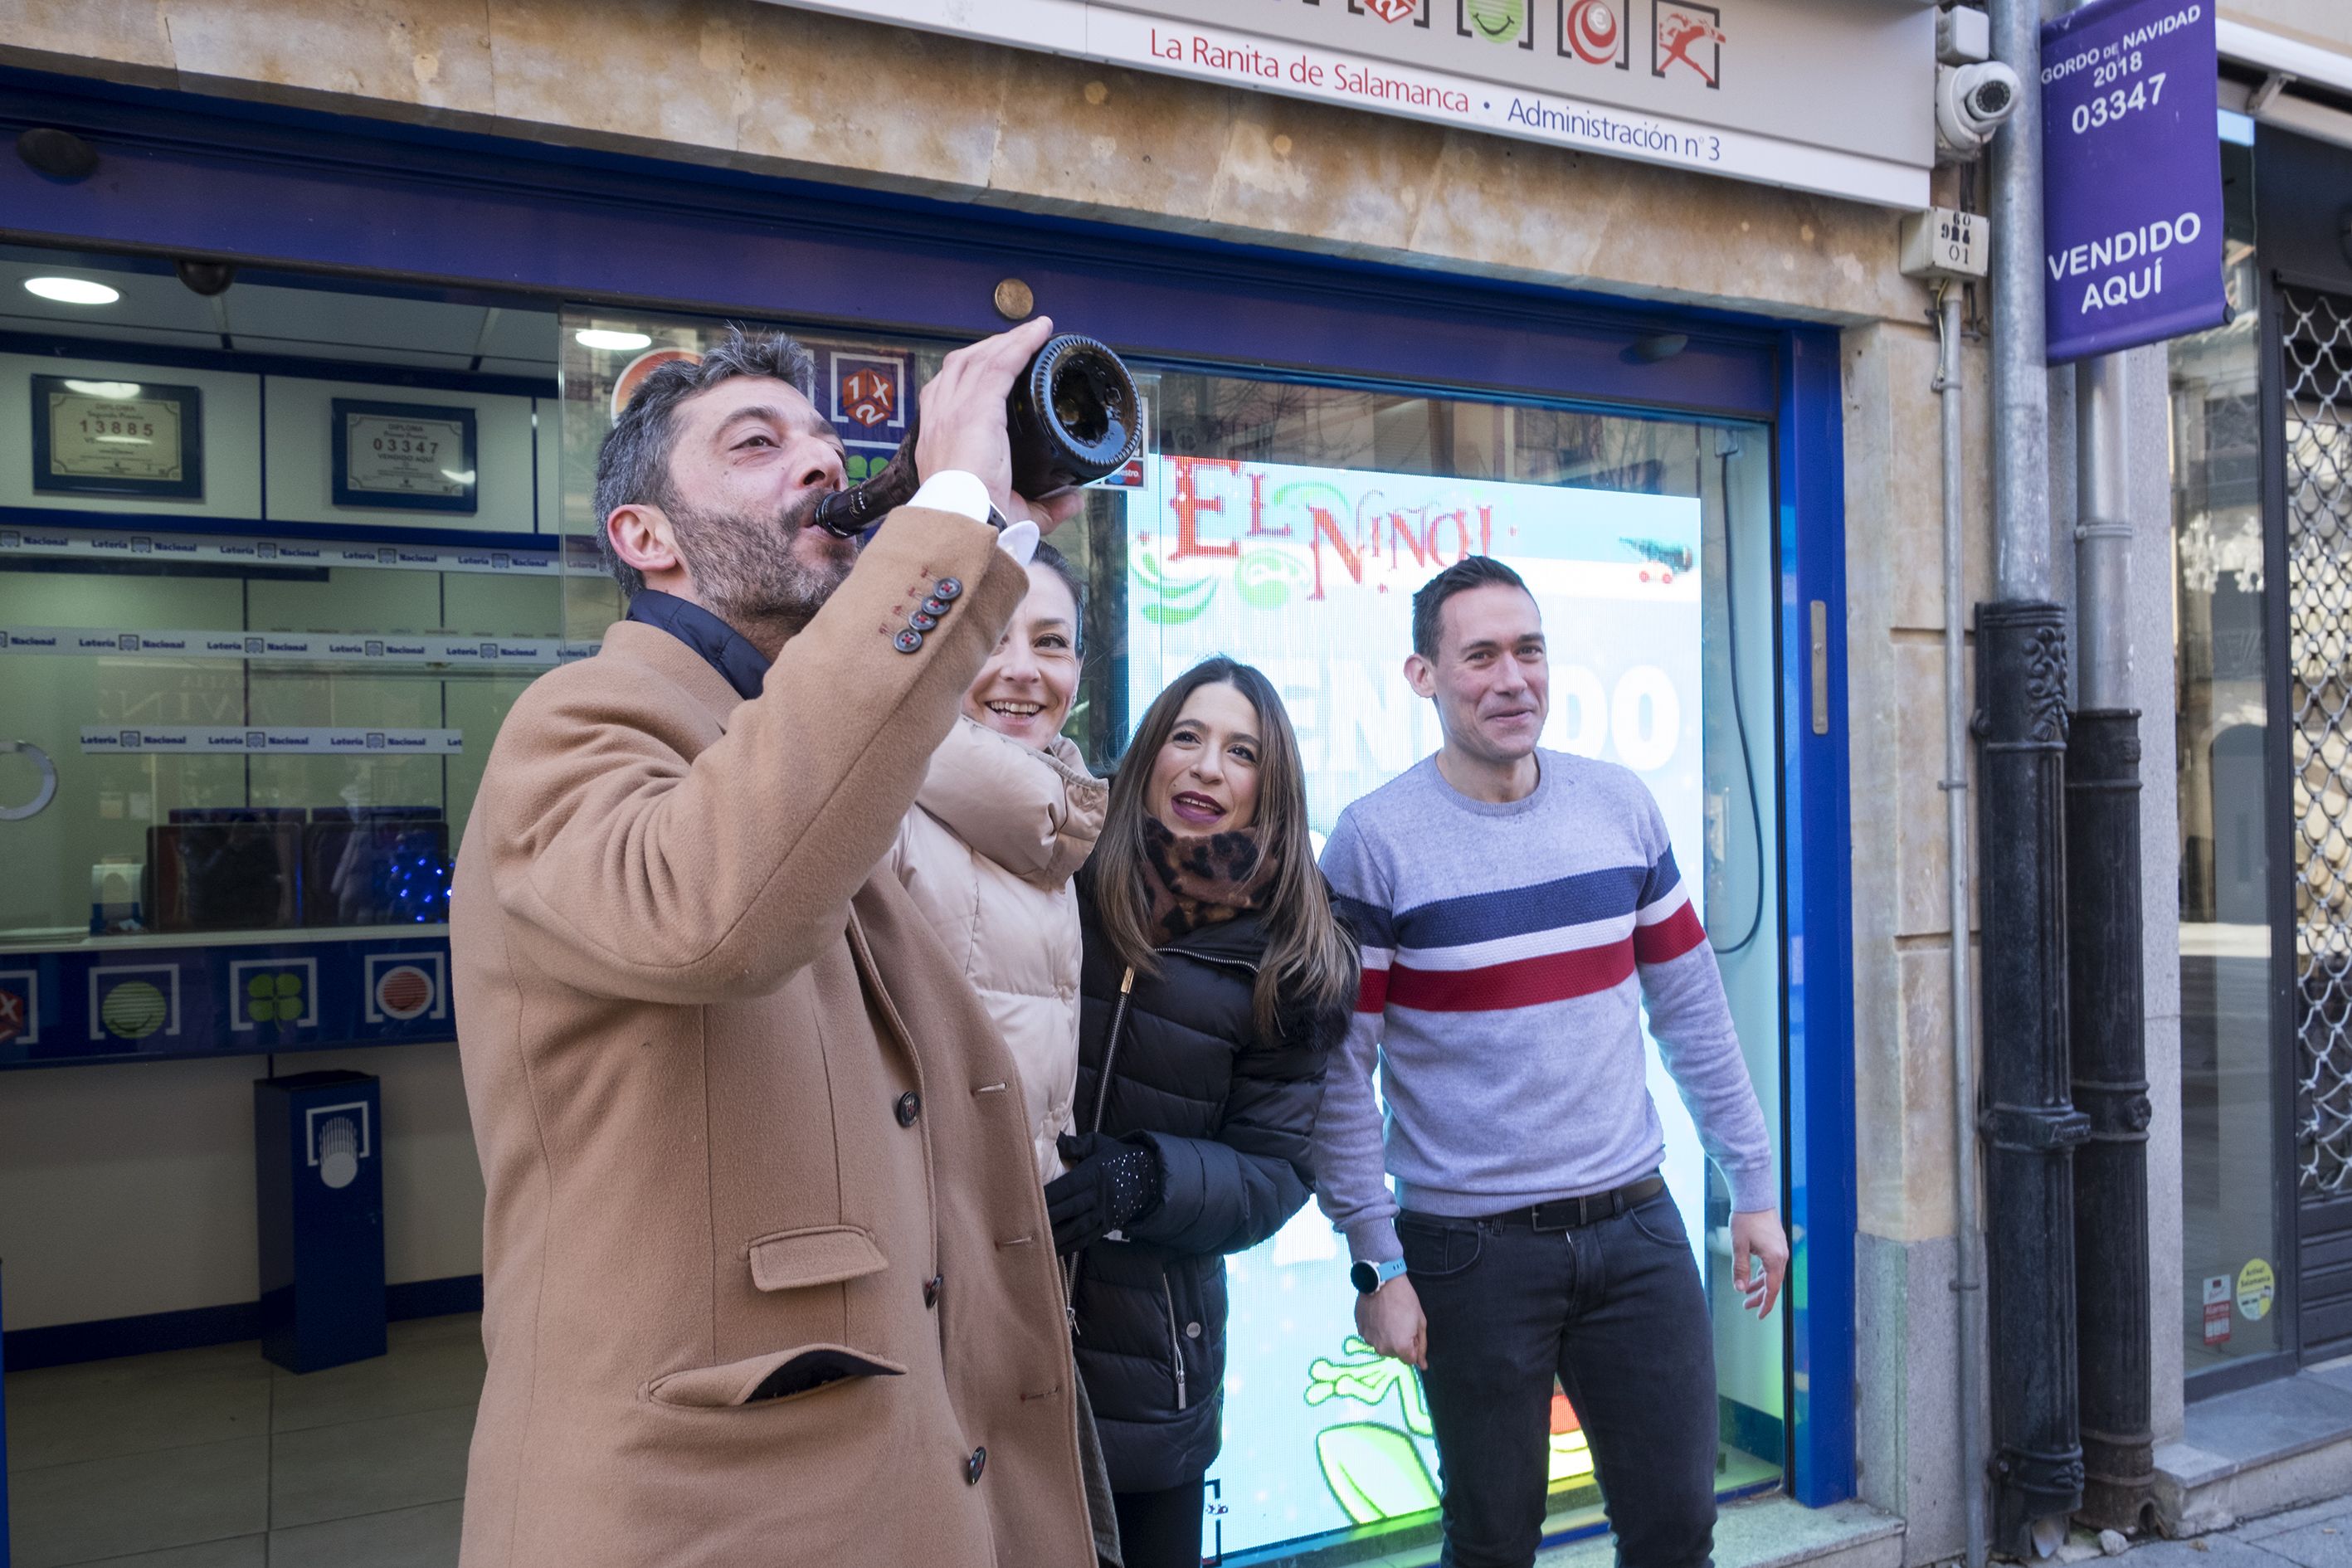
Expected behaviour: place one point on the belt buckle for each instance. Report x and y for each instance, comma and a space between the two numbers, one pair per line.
1559, 1215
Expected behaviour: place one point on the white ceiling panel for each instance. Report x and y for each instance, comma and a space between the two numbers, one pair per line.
349, 322
524, 335
148, 300
36, 326
306, 349
262, 318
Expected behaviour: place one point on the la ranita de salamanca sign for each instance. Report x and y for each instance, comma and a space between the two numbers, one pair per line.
1834, 96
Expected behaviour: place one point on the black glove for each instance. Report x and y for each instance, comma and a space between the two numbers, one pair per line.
1110, 1182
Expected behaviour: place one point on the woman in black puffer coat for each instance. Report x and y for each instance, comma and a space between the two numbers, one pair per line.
1216, 982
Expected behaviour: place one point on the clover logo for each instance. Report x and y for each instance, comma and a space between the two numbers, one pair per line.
275, 998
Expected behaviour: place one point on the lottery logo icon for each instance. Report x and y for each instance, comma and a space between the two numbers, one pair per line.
15, 1013
1391, 10
868, 390
278, 996
281, 993
1593, 31
132, 1002
1689, 35
1497, 21
406, 992
134, 1010
866, 396
402, 987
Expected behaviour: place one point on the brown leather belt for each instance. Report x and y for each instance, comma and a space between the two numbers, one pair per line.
1567, 1213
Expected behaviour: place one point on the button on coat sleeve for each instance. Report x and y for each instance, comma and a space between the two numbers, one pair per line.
630, 870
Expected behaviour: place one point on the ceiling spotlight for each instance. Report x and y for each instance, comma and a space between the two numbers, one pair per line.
72, 290
206, 278
598, 338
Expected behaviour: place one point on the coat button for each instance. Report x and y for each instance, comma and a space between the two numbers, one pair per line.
947, 589
973, 1466
1192, 1331
910, 1105
908, 641
922, 621
931, 1290
934, 605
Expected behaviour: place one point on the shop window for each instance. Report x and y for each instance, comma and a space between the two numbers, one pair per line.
1287, 524
275, 564
2229, 1079
272, 570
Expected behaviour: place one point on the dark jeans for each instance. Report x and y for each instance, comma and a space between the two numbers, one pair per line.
1615, 1311
1161, 1529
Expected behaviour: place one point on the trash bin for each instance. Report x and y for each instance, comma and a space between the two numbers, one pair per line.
317, 1156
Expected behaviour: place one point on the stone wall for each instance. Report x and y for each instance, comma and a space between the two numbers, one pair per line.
2326, 23
767, 88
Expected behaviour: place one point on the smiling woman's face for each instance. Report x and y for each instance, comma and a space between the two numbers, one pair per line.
1025, 688
1204, 779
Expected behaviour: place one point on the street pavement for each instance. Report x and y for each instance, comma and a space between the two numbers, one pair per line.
2320, 1536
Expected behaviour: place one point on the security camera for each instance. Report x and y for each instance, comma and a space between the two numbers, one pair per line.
206, 278
1971, 101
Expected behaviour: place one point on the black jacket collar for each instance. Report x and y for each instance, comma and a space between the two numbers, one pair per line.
723, 647
1240, 942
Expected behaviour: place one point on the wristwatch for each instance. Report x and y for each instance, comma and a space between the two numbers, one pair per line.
1371, 1277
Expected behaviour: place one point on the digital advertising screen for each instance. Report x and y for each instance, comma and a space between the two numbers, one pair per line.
1308, 574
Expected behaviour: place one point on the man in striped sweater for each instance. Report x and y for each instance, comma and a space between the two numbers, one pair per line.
1517, 907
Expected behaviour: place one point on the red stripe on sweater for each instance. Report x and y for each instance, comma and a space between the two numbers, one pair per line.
1525, 983
1670, 937
1372, 993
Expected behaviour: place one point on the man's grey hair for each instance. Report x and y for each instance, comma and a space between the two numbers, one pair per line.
633, 467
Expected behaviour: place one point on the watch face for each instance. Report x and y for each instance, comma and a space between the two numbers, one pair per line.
1367, 1278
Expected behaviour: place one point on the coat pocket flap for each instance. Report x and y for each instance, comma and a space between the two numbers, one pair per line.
759, 1379
826, 1255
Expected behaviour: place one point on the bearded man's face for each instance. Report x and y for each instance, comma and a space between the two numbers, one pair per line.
751, 461
770, 569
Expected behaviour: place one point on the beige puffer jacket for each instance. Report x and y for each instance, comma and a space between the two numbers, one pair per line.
997, 832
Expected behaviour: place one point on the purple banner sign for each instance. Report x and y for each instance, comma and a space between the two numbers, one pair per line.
2131, 192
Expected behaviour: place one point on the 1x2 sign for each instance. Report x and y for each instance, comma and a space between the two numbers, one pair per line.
2131, 192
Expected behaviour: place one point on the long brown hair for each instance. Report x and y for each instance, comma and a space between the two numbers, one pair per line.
1307, 954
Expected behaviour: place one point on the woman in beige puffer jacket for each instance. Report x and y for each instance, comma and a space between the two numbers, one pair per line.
1006, 815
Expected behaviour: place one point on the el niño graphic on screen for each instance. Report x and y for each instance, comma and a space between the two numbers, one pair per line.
1309, 572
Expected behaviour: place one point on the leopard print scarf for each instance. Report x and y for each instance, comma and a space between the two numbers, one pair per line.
1201, 879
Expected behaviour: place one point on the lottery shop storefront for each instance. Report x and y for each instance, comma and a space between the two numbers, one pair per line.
294, 544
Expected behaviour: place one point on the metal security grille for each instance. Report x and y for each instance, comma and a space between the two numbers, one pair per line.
2317, 333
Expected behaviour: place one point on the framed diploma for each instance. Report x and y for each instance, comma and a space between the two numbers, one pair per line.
95, 435
404, 455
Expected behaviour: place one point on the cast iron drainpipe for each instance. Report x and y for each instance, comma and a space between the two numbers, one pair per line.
2031, 1126
2107, 1026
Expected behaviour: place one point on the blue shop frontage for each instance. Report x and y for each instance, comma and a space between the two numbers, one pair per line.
299, 415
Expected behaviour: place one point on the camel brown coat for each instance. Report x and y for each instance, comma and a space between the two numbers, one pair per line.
742, 1119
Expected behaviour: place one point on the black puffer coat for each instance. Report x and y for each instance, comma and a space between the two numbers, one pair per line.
1230, 1114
